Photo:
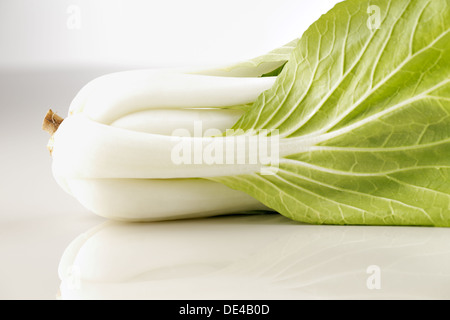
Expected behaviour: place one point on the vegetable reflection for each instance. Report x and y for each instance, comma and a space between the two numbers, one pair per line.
255, 257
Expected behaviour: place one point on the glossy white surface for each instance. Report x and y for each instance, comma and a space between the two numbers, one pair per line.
30, 250
255, 257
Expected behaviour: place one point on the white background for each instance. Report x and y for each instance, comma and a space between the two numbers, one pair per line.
152, 33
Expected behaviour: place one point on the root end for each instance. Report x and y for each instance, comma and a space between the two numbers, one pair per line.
51, 122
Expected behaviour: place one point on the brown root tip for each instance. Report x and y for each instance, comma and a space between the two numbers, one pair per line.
51, 122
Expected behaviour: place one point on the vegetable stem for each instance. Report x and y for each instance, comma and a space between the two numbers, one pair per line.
51, 122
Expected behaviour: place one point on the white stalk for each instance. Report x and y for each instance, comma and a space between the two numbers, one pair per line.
164, 122
114, 153
86, 149
153, 200
121, 94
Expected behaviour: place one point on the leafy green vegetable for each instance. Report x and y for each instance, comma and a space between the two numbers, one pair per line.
364, 119
259, 66
361, 104
275, 72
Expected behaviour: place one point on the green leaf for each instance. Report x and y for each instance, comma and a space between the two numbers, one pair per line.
364, 119
258, 66
275, 72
